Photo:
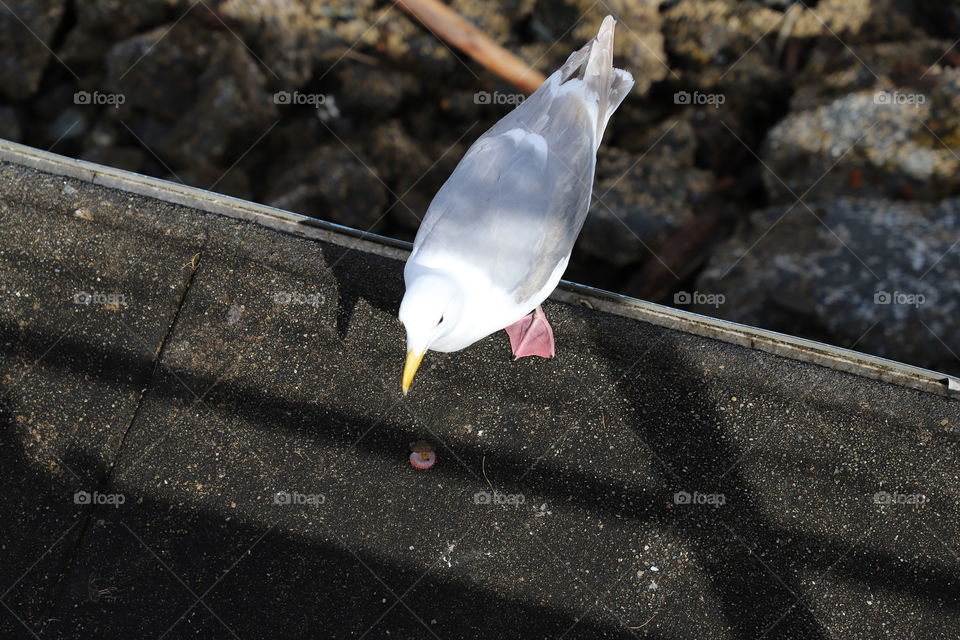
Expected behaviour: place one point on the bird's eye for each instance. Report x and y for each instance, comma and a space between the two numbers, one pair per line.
440, 321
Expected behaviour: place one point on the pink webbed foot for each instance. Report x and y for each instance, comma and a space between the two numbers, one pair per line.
531, 335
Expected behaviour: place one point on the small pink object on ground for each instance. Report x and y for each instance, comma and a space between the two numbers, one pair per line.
423, 460
423, 456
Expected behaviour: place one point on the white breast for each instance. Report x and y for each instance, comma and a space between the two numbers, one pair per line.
488, 309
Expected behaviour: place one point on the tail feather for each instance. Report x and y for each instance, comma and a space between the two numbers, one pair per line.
599, 70
620, 86
594, 65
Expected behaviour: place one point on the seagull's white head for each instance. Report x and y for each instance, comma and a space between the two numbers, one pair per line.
432, 307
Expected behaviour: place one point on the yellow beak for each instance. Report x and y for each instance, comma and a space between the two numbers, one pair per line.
410, 368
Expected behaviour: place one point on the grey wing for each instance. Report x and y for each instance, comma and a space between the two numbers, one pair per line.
515, 204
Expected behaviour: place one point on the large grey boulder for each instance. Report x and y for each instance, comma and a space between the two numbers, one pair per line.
27, 28
869, 144
640, 200
878, 275
189, 94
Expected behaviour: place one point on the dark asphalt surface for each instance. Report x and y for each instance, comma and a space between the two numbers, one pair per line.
238, 390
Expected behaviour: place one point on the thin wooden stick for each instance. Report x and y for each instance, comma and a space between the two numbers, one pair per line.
452, 28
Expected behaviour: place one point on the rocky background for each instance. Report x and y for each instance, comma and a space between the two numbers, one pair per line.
783, 164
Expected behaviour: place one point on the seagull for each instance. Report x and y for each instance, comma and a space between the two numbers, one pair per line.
498, 235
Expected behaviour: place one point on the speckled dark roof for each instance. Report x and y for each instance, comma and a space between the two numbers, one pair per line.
227, 395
